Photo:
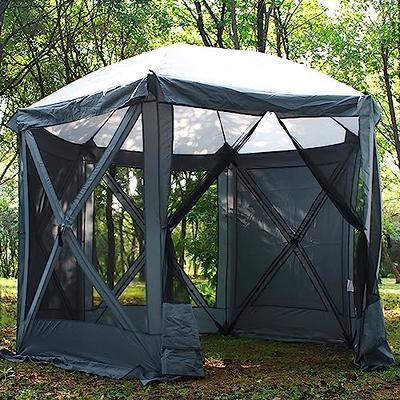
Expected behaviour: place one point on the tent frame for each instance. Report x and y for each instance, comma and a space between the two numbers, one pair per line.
159, 254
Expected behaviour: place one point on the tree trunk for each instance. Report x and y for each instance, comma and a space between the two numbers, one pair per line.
3, 8
142, 273
278, 38
261, 42
124, 262
7, 167
183, 237
200, 25
221, 26
263, 17
235, 36
285, 42
195, 233
395, 271
110, 234
389, 95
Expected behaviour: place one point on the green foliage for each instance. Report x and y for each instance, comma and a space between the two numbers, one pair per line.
8, 232
128, 237
196, 237
46, 44
128, 241
202, 246
391, 227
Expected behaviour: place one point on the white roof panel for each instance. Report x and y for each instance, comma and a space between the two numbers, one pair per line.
246, 71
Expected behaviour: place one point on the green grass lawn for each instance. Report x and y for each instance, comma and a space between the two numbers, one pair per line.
236, 368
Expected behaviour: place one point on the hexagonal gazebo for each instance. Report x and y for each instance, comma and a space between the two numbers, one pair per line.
291, 155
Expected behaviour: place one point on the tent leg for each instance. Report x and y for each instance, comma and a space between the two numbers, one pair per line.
88, 236
24, 236
232, 243
222, 240
366, 135
157, 145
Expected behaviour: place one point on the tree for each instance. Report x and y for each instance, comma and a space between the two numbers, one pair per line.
45, 45
364, 50
274, 26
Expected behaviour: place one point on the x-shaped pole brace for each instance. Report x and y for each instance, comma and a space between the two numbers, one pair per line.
65, 221
294, 242
137, 217
224, 156
125, 201
293, 245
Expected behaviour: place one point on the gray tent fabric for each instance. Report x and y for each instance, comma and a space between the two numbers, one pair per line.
373, 351
298, 243
181, 351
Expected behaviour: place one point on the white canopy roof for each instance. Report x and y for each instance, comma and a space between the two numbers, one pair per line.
245, 71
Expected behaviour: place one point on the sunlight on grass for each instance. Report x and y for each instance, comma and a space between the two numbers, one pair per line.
8, 309
389, 285
134, 294
8, 286
390, 294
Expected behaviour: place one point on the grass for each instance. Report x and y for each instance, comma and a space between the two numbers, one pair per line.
135, 293
236, 368
8, 287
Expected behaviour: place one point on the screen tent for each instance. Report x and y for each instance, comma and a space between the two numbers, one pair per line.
289, 157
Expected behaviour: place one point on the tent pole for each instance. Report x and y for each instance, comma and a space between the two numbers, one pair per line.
43, 283
125, 280
23, 235
88, 240
157, 122
222, 265
125, 201
44, 178
122, 132
232, 244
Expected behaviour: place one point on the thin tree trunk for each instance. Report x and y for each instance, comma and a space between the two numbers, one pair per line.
183, 237
398, 41
285, 42
389, 95
122, 243
396, 271
235, 36
200, 25
261, 34
221, 26
196, 231
277, 33
3, 8
142, 274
